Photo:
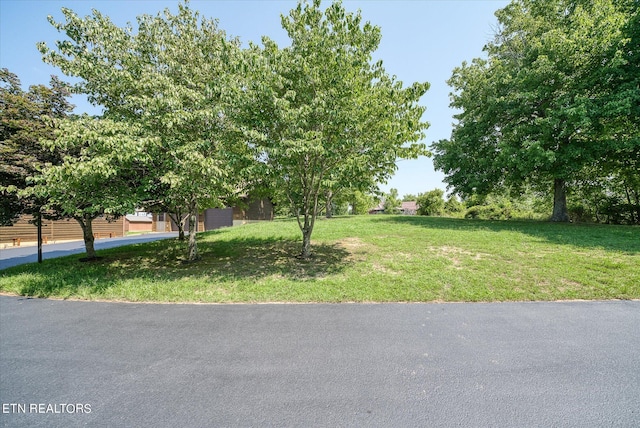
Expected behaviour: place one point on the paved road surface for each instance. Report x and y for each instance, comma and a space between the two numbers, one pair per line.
572, 364
13, 256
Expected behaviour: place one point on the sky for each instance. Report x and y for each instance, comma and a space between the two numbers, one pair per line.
422, 40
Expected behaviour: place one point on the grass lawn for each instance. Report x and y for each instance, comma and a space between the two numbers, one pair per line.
357, 259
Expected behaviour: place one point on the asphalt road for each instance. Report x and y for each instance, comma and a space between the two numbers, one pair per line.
570, 364
13, 256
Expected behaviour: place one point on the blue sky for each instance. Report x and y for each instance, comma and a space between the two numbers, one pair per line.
422, 40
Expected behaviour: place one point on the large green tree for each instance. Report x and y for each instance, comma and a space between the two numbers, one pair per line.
26, 120
173, 77
535, 111
323, 116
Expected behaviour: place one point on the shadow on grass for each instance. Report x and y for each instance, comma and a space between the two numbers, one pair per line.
221, 261
617, 238
238, 258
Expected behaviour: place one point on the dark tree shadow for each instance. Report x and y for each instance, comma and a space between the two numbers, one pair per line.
616, 238
220, 261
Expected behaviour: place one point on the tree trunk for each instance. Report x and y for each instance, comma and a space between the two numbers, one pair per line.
193, 227
560, 212
631, 207
306, 223
307, 230
329, 204
87, 233
637, 199
306, 243
179, 220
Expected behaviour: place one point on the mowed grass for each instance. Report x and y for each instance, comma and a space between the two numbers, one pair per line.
357, 259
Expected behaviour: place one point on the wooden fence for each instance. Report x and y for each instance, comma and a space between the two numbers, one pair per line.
57, 230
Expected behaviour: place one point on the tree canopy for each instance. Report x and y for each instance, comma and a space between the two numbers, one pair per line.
326, 117
95, 178
26, 121
191, 121
557, 95
171, 79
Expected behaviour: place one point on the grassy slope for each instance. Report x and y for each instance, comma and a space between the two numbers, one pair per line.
367, 258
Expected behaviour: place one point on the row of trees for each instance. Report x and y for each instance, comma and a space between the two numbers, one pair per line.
554, 105
431, 203
191, 120
594, 204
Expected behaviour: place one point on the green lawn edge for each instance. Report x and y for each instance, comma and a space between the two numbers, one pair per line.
356, 259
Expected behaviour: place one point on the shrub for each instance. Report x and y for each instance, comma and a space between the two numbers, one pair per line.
453, 205
431, 203
489, 212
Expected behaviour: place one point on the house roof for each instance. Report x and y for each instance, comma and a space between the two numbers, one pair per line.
409, 205
138, 218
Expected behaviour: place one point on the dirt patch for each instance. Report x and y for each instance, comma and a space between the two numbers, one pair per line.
455, 254
355, 247
379, 268
351, 243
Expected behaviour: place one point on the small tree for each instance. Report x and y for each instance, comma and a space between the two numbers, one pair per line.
360, 202
431, 203
322, 116
453, 205
391, 202
175, 78
99, 173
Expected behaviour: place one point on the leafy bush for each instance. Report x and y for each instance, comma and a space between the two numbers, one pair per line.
453, 205
489, 212
431, 203
579, 213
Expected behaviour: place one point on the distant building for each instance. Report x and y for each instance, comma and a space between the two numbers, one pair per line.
216, 218
409, 208
379, 209
138, 222
406, 208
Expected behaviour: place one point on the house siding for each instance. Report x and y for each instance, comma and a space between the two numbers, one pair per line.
216, 218
58, 230
259, 209
134, 223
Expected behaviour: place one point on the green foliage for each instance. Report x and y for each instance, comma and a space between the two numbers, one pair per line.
528, 205
26, 120
489, 212
556, 95
173, 79
614, 199
453, 206
431, 203
361, 202
99, 173
392, 203
323, 116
